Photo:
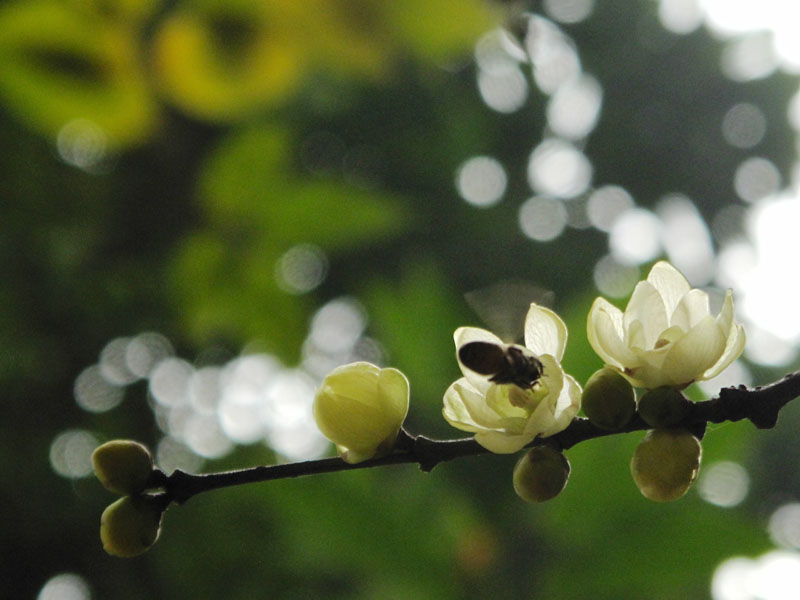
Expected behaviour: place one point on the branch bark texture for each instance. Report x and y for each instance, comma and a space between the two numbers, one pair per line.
760, 405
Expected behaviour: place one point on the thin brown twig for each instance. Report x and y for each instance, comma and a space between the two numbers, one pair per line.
761, 405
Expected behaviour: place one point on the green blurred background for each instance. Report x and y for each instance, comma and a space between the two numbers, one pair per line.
208, 205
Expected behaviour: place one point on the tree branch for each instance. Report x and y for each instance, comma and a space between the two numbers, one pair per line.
761, 405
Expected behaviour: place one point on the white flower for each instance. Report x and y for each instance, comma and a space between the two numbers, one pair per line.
506, 417
360, 408
666, 336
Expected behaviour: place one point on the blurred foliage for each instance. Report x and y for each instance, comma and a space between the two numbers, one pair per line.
160, 158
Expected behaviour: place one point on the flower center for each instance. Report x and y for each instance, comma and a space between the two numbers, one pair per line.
527, 399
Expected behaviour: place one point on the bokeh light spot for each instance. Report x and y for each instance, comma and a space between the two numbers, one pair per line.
606, 204
765, 348
784, 526
614, 279
113, 362
542, 218
769, 295
728, 224
736, 374
635, 237
686, 239
65, 586
505, 91
169, 382
756, 178
82, 144
71, 453
556, 168
772, 576
744, 125
724, 484
749, 57
173, 454
552, 54
145, 351
497, 51
481, 181
204, 435
793, 111
574, 108
301, 269
94, 393
680, 16
568, 11
204, 389
288, 418
337, 325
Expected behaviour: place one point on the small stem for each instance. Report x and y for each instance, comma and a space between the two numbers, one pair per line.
760, 405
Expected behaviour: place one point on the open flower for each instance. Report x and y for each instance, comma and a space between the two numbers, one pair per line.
504, 416
666, 336
360, 408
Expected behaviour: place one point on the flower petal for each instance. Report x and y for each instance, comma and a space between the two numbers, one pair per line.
733, 349
545, 332
464, 335
552, 375
503, 443
725, 316
691, 309
465, 408
693, 354
567, 406
648, 308
670, 283
604, 329
394, 389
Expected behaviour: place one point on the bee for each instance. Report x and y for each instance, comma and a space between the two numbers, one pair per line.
505, 364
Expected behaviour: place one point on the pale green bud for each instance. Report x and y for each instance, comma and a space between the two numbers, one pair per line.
665, 464
360, 408
130, 525
663, 407
540, 474
608, 399
123, 466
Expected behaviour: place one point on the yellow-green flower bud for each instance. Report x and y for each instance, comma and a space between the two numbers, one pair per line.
663, 407
665, 464
608, 400
123, 466
540, 474
360, 408
130, 525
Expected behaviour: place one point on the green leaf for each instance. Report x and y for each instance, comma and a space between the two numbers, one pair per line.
247, 188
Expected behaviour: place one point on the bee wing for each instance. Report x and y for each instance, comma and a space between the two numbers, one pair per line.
504, 305
482, 357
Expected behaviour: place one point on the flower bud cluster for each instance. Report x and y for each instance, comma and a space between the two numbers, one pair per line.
665, 340
131, 525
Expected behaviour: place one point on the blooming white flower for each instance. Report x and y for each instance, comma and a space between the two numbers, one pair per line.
666, 336
360, 408
506, 417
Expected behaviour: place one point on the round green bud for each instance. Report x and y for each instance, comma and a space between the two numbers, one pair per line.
123, 466
608, 399
663, 407
540, 474
665, 464
129, 526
